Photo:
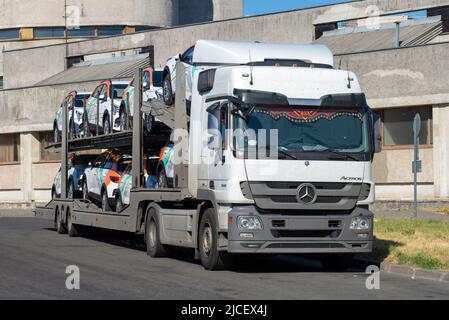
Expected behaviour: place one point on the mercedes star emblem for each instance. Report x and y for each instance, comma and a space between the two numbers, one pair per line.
306, 194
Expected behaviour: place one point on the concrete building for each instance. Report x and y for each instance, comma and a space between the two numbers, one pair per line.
400, 79
30, 23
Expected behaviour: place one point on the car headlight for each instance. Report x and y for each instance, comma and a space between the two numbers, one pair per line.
360, 223
249, 223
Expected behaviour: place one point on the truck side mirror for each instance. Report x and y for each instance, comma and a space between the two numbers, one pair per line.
377, 126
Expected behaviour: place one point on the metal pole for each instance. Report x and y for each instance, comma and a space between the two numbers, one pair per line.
137, 147
398, 34
64, 151
415, 177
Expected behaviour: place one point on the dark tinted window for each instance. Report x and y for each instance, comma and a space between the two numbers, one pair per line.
9, 34
187, 57
81, 32
157, 78
84, 160
48, 32
110, 30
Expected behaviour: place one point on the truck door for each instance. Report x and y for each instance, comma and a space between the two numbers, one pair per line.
217, 147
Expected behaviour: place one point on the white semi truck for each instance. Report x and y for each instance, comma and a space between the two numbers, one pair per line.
273, 156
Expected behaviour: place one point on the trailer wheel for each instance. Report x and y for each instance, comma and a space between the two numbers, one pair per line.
55, 134
105, 201
106, 125
60, 228
119, 204
123, 120
72, 228
211, 257
167, 91
85, 125
155, 248
337, 262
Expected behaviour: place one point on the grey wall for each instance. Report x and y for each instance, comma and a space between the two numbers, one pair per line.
401, 77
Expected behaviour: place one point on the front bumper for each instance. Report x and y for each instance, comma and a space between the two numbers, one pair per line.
300, 234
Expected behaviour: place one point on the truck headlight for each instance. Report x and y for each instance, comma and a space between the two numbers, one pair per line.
249, 223
360, 223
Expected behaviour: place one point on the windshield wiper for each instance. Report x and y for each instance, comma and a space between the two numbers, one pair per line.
341, 154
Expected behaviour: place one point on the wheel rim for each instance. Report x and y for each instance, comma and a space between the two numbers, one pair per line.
152, 234
69, 221
106, 127
58, 220
207, 240
166, 90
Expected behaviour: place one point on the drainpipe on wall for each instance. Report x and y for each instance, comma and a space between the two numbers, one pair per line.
398, 35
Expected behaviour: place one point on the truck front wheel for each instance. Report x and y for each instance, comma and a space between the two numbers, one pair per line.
211, 257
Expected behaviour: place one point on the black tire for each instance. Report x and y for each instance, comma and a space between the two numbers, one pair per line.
106, 125
85, 125
72, 229
119, 204
148, 124
337, 262
105, 206
71, 131
56, 134
123, 120
155, 248
167, 91
85, 190
162, 180
211, 257
60, 227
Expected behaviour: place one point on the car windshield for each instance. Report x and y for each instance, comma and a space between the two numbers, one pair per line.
305, 129
118, 90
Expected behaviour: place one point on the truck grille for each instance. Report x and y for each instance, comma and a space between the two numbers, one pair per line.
283, 196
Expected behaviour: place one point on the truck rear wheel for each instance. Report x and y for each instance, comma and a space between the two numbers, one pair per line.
60, 228
211, 257
155, 248
337, 262
72, 229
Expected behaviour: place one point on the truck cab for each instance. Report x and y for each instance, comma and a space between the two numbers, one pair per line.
283, 148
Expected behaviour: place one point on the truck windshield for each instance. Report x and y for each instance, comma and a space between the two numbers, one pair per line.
305, 132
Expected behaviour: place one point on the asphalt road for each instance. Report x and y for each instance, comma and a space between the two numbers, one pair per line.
33, 261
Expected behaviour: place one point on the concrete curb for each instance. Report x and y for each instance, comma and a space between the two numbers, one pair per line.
409, 271
415, 273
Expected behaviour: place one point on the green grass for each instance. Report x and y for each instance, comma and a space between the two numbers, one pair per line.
422, 243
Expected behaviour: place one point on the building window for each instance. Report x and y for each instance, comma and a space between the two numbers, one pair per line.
109, 30
9, 148
81, 32
45, 140
398, 126
49, 33
7, 34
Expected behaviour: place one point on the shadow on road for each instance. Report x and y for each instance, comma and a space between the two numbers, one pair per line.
243, 264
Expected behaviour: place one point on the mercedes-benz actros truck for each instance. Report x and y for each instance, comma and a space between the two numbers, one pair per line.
273, 155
